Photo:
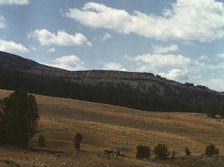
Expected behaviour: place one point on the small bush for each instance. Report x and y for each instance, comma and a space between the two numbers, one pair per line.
143, 152
77, 140
41, 141
187, 151
211, 150
161, 151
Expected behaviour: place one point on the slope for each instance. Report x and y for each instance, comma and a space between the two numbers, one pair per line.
113, 127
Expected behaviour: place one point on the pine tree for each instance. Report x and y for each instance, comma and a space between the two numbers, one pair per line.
18, 119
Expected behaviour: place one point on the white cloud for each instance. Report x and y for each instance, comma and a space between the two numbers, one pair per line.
204, 58
51, 50
114, 66
70, 62
199, 20
167, 49
216, 83
2, 22
12, 2
176, 74
221, 55
105, 36
12, 47
61, 38
154, 61
172, 66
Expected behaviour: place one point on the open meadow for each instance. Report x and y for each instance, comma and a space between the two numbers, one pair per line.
113, 127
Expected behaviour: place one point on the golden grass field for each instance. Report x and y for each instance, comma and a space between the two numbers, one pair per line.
112, 127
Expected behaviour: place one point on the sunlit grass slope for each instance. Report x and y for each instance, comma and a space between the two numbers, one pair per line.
112, 127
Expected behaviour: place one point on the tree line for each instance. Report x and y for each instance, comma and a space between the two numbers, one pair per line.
177, 98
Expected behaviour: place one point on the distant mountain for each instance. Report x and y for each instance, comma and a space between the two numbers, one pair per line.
138, 90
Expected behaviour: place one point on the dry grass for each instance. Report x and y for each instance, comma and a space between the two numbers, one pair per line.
113, 127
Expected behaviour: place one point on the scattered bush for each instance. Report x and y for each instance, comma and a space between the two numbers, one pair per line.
187, 151
18, 119
161, 151
143, 152
211, 150
77, 140
41, 141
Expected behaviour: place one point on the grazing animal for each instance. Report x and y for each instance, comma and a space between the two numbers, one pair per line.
109, 152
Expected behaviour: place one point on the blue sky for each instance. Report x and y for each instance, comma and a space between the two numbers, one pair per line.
181, 40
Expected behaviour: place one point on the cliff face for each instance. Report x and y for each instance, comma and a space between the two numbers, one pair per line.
139, 90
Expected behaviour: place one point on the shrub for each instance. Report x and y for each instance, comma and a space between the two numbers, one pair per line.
41, 141
161, 151
187, 151
211, 150
77, 140
18, 119
143, 152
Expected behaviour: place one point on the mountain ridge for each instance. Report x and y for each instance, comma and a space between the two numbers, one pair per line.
138, 90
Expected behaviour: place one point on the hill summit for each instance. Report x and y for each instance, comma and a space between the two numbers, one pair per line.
137, 90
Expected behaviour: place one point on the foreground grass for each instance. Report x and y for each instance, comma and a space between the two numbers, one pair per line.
112, 127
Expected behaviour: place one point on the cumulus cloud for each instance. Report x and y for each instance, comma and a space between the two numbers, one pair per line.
201, 20
105, 36
2, 22
14, 2
176, 74
61, 38
114, 66
12, 47
155, 61
171, 66
167, 49
216, 83
204, 58
69, 62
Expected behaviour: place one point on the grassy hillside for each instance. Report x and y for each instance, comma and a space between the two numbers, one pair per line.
112, 127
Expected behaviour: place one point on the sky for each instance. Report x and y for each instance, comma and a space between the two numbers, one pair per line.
180, 40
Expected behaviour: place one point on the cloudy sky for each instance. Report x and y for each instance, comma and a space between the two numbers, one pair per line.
181, 40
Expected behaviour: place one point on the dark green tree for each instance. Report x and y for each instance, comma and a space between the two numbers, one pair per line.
161, 151
220, 109
215, 109
77, 140
18, 119
211, 150
187, 151
143, 152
